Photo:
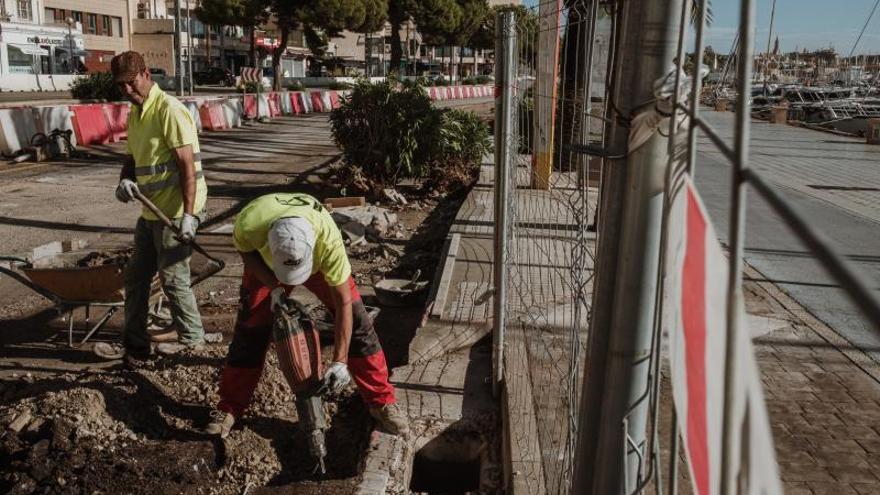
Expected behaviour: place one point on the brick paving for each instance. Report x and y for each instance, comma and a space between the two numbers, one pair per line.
823, 398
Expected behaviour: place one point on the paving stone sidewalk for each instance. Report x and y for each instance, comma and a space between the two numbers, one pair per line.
823, 397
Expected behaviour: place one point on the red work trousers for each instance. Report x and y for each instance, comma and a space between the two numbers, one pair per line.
253, 333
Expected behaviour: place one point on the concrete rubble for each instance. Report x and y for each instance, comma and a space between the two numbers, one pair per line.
376, 217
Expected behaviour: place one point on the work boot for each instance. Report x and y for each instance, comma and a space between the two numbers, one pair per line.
166, 335
172, 348
390, 419
221, 423
108, 350
135, 361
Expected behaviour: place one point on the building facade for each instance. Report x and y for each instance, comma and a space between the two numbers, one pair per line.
103, 24
34, 50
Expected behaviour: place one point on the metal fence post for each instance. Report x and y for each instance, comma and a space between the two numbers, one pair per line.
737, 239
614, 404
505, 85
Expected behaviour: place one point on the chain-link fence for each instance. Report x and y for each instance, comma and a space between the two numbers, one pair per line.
546, 191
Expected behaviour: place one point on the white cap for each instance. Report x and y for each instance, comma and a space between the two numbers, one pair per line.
292, 242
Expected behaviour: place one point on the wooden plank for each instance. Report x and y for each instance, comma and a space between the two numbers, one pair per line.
331, 203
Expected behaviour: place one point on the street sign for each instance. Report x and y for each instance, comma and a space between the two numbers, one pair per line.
251, 74
694, 318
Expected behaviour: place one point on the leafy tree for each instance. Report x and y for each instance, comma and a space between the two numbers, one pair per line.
321, 19
245, 13
399, 11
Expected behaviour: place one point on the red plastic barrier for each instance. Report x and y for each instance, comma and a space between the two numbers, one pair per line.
433, 93
250, 106
274, 100
450, 93
334, 99
117, 119
212, 116
459, 92
296, 103
91, 125
317, 103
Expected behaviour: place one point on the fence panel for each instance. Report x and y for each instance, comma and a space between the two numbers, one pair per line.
549, 210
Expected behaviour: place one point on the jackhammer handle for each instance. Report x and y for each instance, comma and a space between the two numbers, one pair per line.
168, 223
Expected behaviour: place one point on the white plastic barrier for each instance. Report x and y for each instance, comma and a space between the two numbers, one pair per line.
306, 100
17, 125
286, 107
193, 107
233, 110
54, 117
263, 106
326, 101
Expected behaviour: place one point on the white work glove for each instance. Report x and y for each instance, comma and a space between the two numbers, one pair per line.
279, 298
126, 190
188, 226
336, 377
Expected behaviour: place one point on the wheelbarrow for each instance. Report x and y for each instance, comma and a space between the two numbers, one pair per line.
68, 286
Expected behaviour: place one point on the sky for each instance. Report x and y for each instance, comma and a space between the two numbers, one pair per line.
810, 24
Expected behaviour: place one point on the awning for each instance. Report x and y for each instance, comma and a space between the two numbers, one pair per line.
31, 49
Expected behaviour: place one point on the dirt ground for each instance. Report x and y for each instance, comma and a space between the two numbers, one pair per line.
105, 430
89, 426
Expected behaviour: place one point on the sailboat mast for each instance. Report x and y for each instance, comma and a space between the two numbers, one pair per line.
767, 55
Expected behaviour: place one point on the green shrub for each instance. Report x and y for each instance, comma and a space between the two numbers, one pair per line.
249, 87
463, 138
338, 85
390, 131
296, 86
96, 86
483, 79
386, 131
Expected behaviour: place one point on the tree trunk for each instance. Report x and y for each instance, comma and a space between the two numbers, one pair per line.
277, 52
207, 45
396, 49
254, 46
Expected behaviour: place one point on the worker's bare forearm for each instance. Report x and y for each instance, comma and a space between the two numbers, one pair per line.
344, 322
127, 171
187, 170
254, 264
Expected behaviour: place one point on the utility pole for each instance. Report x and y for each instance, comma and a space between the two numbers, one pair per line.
614, 406
178, 56
189, 43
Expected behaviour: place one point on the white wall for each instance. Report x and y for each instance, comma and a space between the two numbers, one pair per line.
31, 82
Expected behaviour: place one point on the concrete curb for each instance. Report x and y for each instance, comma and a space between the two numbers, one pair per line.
386, 454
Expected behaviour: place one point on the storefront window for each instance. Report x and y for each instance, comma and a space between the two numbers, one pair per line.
24, 10
19, 62
62, 62
93, 24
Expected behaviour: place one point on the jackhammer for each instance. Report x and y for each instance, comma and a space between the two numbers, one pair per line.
299, 357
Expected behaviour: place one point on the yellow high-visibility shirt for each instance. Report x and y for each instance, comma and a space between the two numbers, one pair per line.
251, 232
155, 129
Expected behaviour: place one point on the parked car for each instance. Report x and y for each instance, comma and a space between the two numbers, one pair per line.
214, 75
160, 77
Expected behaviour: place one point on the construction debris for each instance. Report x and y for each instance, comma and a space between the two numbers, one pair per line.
394, 197
368, 216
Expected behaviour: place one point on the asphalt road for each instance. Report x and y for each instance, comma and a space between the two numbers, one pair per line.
835, 183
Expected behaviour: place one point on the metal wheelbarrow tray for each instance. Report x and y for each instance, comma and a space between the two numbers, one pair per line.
68, 286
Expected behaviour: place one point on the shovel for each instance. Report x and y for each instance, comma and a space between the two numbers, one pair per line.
214, 265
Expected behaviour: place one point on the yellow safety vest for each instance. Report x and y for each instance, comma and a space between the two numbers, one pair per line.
155, 129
